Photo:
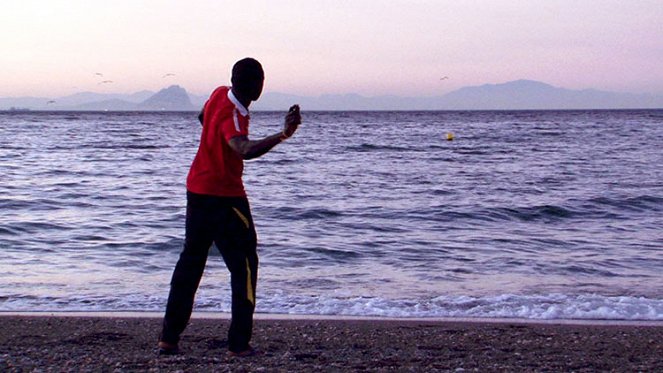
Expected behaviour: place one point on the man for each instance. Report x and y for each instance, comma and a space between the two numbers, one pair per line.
218, 210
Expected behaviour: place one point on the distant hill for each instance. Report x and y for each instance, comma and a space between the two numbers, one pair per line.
105, 105
279, 101
23, 102
528, 94
173, 98
83, 98
515, 95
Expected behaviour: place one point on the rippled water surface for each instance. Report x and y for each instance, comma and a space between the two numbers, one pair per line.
536, 214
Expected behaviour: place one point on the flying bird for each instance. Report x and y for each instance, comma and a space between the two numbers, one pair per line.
98, 74
444, 78
50, 102
167, 75
105, 82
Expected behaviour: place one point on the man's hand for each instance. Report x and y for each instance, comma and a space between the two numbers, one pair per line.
292, 120
249, 149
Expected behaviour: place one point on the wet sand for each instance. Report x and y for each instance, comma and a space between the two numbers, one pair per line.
84, 343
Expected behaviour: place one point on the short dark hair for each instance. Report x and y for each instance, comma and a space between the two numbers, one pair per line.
246, 72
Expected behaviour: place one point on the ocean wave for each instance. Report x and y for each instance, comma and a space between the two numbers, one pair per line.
339, 256
637, 203
373, 147
296, 213
15, 204
35, 227
533, 307
552, 306
497, 214
171, 245
10, 231
532, 213
120, 146
601, 208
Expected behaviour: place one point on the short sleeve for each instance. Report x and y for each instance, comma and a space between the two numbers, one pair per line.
235, 125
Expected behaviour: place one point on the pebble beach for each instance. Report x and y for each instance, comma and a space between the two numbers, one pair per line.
125, 344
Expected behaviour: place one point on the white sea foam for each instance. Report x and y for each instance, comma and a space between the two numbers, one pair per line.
552, 306
535, 307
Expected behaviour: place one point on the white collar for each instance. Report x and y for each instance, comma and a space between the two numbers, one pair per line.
242, 110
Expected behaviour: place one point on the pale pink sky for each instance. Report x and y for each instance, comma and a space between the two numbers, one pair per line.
371, 47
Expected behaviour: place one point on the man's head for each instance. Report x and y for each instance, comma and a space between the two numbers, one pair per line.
247, 78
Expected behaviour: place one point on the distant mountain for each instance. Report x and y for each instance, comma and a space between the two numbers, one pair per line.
198, 101
23, 102
83, 98
173, 98
528, 94
515, 95
105, 105
279, 101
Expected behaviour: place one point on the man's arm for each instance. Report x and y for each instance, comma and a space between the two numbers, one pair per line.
250, 149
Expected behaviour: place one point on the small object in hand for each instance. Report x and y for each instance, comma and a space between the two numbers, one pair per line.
293, 117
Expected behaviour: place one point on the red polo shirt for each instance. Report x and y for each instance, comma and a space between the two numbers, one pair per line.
217, 169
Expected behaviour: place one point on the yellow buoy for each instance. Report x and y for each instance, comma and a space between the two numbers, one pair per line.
450, 136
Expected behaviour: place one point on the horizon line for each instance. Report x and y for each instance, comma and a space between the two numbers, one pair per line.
348, 93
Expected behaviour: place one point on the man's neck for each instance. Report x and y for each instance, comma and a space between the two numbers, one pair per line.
243, 100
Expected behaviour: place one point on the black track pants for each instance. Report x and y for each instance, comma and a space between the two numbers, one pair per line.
226, 222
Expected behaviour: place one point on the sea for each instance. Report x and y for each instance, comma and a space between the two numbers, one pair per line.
554, 215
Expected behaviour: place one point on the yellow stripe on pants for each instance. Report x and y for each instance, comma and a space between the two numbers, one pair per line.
249, 285
241, 216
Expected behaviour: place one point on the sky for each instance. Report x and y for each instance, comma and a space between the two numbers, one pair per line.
52, 48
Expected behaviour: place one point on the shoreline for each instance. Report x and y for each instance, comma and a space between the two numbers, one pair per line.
48, 342
307, 317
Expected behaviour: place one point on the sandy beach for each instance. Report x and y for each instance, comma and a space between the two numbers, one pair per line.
65, 343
